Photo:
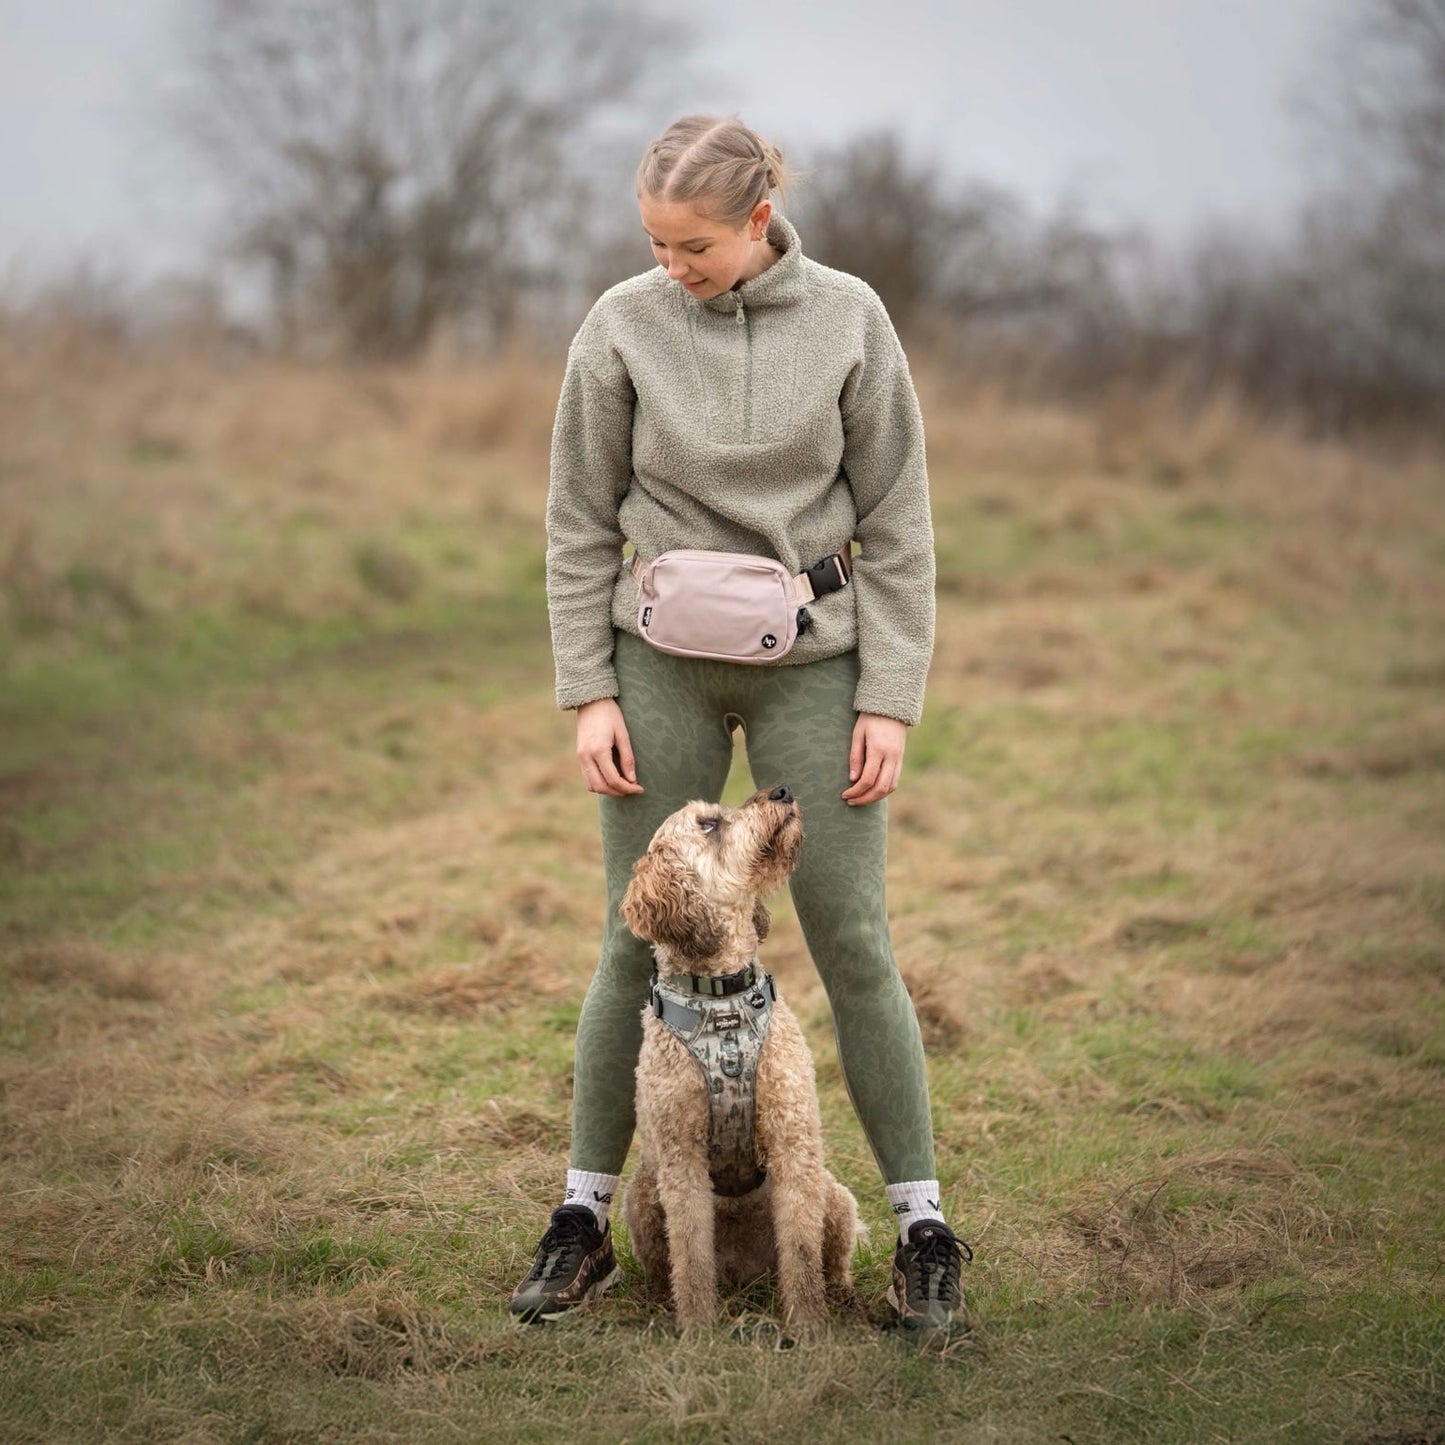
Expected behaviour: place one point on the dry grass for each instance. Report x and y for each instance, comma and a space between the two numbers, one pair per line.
302, 898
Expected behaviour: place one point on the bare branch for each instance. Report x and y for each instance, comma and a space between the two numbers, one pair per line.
393, 166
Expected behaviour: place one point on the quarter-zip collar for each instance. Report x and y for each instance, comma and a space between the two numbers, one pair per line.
782, 284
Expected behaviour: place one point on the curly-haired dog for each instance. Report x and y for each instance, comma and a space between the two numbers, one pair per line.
730, 1182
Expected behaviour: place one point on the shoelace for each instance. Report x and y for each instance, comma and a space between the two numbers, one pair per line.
567, 1235
938, 1251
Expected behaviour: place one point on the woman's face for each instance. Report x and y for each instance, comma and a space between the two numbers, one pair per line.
704, 256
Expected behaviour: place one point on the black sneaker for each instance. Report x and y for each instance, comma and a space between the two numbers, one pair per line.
925, 1289
574, 1264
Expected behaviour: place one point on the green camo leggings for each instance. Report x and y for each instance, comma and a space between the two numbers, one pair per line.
798, 721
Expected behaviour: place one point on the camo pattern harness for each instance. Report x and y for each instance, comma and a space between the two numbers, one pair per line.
723, 1023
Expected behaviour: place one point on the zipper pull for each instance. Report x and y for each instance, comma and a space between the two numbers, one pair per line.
742, 320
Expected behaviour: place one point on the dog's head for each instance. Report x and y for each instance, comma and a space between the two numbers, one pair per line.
697, 893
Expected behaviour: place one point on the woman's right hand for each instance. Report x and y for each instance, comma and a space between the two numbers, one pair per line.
604, 751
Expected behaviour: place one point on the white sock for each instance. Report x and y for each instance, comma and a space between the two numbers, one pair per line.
915, 1200
593, 1190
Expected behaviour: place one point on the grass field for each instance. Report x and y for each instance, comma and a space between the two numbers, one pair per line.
299, 893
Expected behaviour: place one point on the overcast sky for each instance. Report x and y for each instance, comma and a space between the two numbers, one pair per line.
1164, 113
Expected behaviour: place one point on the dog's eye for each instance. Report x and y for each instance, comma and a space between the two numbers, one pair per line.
709, 825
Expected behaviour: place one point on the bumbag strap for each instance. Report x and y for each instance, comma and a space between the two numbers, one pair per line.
832, 574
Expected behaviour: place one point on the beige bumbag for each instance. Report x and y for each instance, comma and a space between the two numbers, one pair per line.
729, 606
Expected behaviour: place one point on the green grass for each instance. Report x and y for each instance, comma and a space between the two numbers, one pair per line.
299, 895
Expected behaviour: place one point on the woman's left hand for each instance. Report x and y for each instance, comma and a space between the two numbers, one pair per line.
875, 760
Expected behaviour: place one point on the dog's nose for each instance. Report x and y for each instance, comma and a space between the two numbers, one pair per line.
781, 794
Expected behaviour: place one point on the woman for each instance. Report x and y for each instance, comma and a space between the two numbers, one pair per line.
742, 398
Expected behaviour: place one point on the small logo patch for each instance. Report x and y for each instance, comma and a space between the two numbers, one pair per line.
646, 616
769, 641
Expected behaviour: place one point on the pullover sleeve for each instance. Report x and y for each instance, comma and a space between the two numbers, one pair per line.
883, 457
591, 471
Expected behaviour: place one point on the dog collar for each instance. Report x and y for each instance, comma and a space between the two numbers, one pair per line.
716, 985
669, 995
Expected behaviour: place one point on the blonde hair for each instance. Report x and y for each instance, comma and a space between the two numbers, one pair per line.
715, 160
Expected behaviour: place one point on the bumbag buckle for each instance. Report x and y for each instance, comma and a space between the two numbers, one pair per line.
831, 574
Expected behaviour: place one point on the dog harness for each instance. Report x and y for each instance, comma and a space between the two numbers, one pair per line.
723, 1023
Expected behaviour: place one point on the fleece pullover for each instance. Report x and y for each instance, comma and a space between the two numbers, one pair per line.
779, 419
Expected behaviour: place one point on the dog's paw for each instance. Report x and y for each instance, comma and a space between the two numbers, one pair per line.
846, 1299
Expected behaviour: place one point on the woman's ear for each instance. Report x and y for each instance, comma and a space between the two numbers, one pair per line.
665, 905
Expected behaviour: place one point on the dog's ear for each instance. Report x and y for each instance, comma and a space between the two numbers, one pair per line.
762, 920
665, 905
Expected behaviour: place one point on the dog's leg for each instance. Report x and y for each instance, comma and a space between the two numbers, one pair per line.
647, 1226
672, 1125
790, 1139
685, 1191
840, 1238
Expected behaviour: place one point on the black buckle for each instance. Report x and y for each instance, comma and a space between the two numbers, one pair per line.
718, 986
726, 984
831, 574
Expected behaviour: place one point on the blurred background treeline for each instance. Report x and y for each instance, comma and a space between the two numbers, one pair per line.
453, 179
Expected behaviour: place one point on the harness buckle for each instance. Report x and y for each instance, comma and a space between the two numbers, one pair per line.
730, 1059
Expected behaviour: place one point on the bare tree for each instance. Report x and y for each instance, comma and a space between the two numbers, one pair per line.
1345, 325
954, 262
393, 166
1395, 85
868, 209
1371, 265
